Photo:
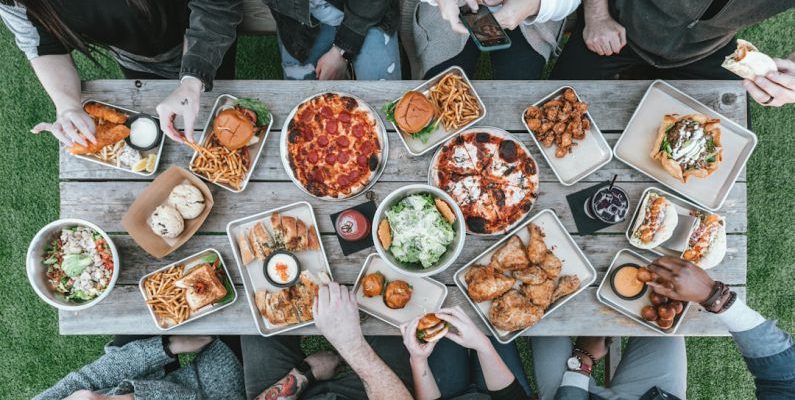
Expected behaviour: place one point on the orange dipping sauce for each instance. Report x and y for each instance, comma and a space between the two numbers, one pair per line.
625, 283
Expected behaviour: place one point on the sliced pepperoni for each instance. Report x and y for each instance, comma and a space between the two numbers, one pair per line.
344, 117
322, 140
362, 161
307, 116
312, 157
326, 112
331, 126
331, 158
343, 180
343, 141
317, 175
308, 135
343, 157
367, 147
358, 131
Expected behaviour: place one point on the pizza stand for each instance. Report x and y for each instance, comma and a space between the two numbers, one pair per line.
102, 195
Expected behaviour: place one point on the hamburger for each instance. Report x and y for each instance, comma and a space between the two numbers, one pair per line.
413, 114
236, 127
748, 62
397, 294
431, 328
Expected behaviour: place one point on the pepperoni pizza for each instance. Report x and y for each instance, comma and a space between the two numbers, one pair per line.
490, 175
334, 145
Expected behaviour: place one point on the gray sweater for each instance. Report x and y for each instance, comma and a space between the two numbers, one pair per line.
138, 367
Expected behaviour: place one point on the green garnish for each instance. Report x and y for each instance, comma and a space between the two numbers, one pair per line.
75, 264
259, 108
423, 135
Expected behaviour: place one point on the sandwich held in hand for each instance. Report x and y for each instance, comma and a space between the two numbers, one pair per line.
431, 329
655, 223
688, 145
748, 62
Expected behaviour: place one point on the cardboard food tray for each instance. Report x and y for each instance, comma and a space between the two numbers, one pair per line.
253, 275
384, 141
255, 150
587, 156
557, 238
428, 295
635, 145
631, 308
434, 181
130, 113
191, 262
416, 147
136, 220
682, 206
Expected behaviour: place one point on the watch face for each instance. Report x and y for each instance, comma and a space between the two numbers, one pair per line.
574, 363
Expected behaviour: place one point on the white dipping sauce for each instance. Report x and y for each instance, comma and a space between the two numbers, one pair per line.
282, 268
143, 132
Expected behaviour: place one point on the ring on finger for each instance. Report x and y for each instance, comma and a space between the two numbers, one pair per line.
768, 101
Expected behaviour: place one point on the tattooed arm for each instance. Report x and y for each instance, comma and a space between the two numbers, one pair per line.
425, 386
288, 388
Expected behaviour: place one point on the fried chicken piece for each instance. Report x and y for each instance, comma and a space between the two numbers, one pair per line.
586, 124
567, 107
510, 256
106, 135
102, 113
534, 124
532, 112
540, 295
551, 113
551, 264
546, 126
532, 276
536, 249
512, 312
567, 284
569, 96
553, 103
581, 107
485, 283
559, 128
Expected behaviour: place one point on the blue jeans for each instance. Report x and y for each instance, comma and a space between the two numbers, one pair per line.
458, 372
378, 59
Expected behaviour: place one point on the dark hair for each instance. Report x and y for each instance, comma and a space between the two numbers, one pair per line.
43, 11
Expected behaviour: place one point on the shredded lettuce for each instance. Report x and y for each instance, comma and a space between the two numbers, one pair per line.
420, 235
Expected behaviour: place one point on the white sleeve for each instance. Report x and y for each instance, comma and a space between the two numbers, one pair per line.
553, 10
431, 2
25, 34
740, 318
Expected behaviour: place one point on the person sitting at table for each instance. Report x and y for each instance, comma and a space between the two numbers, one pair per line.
148, 368
663, 39
189, 40
656, 367
446, 369
532, 25
318, 39
275, 367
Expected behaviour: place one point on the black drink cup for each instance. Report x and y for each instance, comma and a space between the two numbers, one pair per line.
609, 204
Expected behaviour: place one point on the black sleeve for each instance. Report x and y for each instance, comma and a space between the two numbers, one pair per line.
514, 391
360, 16
212, 29
29, 35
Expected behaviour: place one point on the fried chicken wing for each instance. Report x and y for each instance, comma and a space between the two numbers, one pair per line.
536, 249
511, 256
532, 112
551, 264
102, 113
567, 284
106, 134
485, 283
569, 96
540, 295
534, 124
513, 311
532, 276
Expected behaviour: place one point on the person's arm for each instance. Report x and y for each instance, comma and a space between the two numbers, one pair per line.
425, 386
322, 366
337, 318
775, 89
768, 351
602, 34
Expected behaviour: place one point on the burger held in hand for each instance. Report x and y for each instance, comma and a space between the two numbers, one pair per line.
430, 328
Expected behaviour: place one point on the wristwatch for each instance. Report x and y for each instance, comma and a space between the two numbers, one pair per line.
575, 364
346, 55
306, 371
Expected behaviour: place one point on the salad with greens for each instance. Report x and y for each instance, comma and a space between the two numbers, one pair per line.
420, 234
79, 264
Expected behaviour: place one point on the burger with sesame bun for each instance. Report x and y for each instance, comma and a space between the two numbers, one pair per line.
430, 328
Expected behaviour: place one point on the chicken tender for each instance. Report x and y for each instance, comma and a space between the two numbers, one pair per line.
511, 256
106, 135
102, 113
513, 311
540, 295
567, 284
485, 283
532, 276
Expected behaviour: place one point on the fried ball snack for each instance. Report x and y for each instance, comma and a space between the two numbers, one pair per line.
373, 284
397, 294
560, 121
513, 311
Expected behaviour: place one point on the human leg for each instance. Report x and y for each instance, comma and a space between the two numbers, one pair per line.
649, 362
268, 359
297, 70
379, 57
510, 356
518, 62
549, 362
449, 364
467, 59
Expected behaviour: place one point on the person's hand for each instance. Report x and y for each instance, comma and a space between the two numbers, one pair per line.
450, 13
68, 126
603, 35
775, 89
466, 334
323, 364
490, 3
331, 66
84, 395
417, 350
183, 102
685, 280
514, 12
188, 344
595, 345
337, 316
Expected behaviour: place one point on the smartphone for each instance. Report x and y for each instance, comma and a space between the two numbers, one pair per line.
484, 29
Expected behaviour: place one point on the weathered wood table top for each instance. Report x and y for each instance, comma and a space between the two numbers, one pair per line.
102, 195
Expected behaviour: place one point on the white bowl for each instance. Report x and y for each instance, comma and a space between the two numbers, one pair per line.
37, 272
453, 251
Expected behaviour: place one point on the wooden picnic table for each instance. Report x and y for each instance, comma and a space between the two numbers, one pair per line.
102, 195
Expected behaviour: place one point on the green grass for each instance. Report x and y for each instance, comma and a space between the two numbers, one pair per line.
35, 356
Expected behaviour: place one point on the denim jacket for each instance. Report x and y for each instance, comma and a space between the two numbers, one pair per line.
298, 29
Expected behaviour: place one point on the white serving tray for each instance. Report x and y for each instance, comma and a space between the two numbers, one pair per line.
635, 145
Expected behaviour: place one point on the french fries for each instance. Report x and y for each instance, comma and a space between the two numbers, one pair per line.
455, 101
165, 298
219, 164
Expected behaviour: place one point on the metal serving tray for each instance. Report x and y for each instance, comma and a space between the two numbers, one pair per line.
253, 275
587, 156
574, 262
428, 295
631, 308
283, 149
130, 113
634, 146
222, 101
683, 207
190, 262
416, 147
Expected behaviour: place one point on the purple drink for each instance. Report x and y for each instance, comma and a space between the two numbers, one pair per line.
609, 204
